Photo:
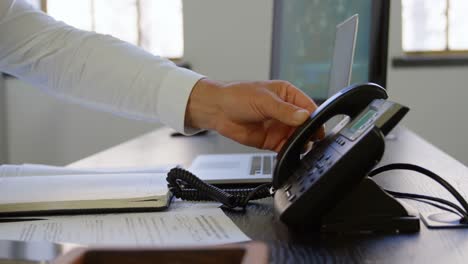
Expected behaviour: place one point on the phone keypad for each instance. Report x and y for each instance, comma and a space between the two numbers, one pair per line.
312, 167
341, 141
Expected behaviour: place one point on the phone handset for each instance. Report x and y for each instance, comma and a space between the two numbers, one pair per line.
349, 101
328, 188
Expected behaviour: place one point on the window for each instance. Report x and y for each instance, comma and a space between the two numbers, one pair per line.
155, 25
438, 26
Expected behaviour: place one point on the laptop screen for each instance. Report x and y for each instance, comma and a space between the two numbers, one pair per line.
343, 55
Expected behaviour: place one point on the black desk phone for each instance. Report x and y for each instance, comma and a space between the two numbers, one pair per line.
328, 188
309, 189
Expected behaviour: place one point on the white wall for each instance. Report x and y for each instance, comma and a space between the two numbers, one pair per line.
228, 40
437, 97
42, 129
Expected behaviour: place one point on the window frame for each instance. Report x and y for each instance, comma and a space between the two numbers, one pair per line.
177, 60
431, 58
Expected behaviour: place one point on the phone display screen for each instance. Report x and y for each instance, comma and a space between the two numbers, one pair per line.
363, 121
360, 125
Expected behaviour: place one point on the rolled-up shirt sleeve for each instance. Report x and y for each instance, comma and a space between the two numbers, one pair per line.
92, 69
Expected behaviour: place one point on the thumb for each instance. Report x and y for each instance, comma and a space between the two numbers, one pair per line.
284, 112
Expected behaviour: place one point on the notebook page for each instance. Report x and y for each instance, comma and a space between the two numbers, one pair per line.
28, 189
13, 170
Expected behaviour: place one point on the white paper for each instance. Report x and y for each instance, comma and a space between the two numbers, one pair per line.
12, 170
208, 226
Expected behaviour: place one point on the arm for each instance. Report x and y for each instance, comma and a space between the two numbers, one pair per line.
92, 69
111, 75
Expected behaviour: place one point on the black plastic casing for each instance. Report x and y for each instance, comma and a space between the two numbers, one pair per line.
320, 196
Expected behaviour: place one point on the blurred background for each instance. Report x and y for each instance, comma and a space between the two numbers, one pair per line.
232, 40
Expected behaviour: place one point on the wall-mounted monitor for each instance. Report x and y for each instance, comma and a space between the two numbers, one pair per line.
303, 41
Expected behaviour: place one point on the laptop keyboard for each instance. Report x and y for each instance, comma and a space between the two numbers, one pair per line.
262, 164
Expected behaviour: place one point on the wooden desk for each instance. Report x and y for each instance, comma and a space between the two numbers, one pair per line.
427, 246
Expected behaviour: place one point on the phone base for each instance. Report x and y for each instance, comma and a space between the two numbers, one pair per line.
368, 208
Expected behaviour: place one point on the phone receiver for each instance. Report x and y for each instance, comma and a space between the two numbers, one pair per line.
349, 101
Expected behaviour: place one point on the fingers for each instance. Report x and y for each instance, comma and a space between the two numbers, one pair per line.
320, 134
263, 114
289, 93
273, 107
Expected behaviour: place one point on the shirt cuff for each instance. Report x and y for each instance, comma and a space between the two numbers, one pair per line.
173, 97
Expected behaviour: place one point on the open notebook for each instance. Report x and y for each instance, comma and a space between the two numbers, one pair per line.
82, 192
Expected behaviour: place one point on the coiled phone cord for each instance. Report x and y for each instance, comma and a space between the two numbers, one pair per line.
183, 184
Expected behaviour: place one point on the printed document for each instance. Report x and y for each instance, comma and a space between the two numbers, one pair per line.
207, 226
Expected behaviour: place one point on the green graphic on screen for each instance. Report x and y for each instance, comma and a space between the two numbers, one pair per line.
307, 30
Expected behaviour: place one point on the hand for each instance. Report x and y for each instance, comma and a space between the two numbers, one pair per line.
259, 114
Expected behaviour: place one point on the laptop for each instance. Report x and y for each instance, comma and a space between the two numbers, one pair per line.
256, 168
